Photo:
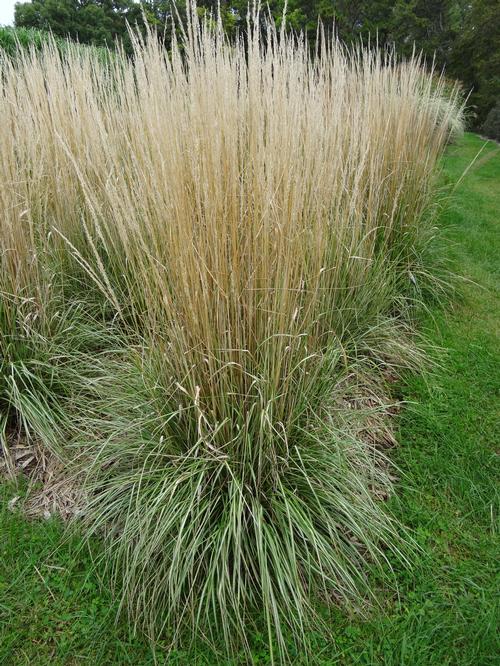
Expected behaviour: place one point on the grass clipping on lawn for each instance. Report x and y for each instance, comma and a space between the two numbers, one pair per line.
214, 251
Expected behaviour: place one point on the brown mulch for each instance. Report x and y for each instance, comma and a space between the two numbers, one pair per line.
50, 490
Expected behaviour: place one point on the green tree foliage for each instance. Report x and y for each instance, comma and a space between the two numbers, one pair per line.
97, 22
475, 54
461, 35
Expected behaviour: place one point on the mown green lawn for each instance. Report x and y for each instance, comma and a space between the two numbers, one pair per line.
53, 611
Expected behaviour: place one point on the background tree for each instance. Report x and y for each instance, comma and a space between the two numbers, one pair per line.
475, 54
98, 22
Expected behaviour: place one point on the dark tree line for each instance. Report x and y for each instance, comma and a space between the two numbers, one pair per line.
462, 35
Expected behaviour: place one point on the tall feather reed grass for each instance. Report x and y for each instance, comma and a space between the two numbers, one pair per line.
253, 220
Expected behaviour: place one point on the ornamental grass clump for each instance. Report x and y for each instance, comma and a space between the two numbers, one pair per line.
254, 220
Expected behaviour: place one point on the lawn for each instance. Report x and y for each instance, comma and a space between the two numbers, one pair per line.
53, 610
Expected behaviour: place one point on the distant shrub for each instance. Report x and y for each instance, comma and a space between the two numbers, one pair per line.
491, 127
13, 39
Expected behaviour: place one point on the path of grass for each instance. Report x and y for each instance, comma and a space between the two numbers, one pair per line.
53, 612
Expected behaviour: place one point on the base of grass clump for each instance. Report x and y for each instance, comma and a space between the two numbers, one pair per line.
206, 541
43, 361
